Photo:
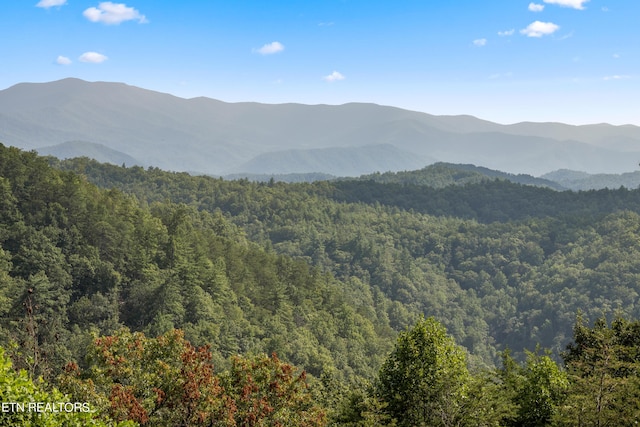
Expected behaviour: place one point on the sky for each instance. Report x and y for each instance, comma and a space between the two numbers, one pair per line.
571, 61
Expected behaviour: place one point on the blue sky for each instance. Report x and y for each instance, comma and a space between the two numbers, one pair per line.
573, 61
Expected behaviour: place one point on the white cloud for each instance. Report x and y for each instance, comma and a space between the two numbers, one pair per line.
46, 4
63, 60
616, 56
113, 13
539, 29
506, 33
270, 48
575, 4
92, 57
534, 7
333, 77
480, 42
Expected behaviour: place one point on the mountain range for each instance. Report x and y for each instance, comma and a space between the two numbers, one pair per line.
127, 124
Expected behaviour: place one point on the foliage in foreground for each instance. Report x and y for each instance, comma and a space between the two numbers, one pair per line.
166, 381
17, 388
425, 382
425, 379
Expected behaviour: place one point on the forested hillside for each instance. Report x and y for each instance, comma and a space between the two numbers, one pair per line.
583, 181
157, 297
90, 261
440, 175
500, 264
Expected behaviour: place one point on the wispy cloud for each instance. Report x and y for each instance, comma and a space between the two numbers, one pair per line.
616, 77
113, 14
539, 29
480, 42
63, 60
92, 57
566, 36
46, 4
270, 48
506, 33
575, 4
534, 7
501, 75
333, 77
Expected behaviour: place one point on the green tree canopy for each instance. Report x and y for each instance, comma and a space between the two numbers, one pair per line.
165, 381
603, 364
425, 379
16, 388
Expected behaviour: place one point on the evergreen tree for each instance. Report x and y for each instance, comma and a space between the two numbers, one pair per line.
603, 364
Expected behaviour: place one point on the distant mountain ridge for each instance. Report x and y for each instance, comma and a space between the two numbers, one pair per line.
71, 149
583, 181
343, 161
214, 137
440, 175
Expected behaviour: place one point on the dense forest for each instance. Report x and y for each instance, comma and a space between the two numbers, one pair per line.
500, 264
162, 298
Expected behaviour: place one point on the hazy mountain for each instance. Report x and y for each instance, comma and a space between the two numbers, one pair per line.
339, 161
99, 152
288, 177
216, 137
621, 138
583, 181
565, 175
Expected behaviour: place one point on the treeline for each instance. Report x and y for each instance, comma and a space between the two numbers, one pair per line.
441, 175
490, 201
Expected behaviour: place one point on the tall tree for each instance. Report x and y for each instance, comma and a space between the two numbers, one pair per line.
268, 392
535, 389
604, 367
425, 379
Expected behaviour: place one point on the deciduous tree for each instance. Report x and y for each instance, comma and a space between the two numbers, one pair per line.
425, 379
